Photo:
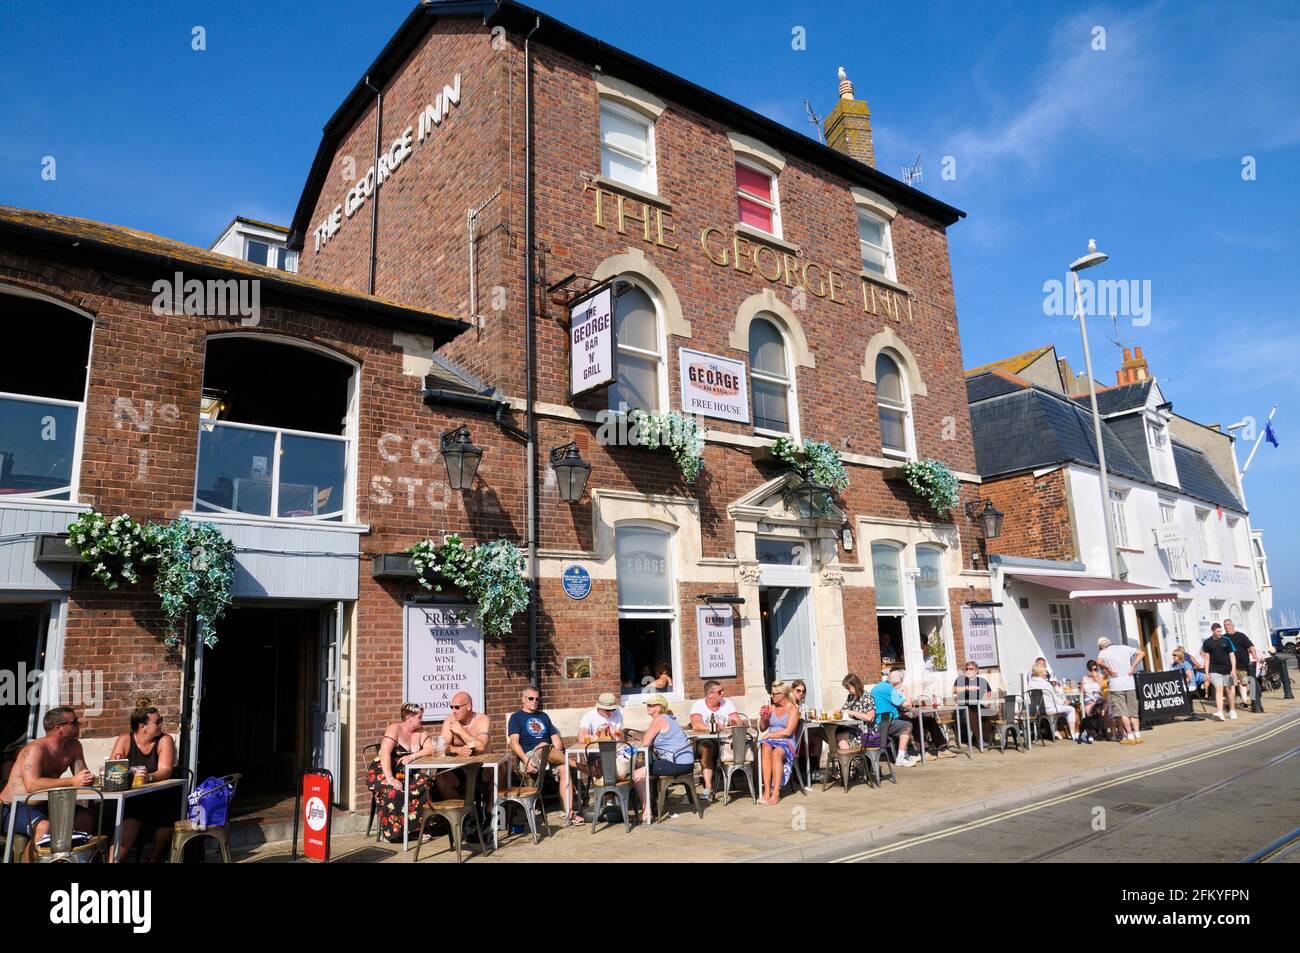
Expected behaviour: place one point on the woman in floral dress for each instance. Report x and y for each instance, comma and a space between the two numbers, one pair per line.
404, 741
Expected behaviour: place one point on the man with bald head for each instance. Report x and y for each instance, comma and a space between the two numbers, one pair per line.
465, 733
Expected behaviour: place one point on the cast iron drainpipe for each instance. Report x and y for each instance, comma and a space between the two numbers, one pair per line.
531, 425
374, 198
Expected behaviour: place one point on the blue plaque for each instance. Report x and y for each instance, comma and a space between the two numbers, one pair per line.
577, 582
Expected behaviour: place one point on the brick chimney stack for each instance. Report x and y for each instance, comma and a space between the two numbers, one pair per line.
848, 127
1134, 370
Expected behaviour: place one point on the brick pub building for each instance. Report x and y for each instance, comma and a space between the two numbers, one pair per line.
725, 240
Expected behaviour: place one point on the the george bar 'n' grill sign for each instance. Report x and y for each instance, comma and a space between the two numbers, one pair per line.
591, 342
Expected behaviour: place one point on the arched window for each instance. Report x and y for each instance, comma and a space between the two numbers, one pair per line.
275, 434
895, 406
640, 352
41, 400
772, 379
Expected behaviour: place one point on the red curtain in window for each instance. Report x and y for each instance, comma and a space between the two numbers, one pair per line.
752, 182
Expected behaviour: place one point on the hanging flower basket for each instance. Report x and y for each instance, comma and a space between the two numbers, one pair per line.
115, 550
933, 482
489, 574
196, 569
815, 461
673, 431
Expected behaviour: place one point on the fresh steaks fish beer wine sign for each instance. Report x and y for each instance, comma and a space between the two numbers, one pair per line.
389, 161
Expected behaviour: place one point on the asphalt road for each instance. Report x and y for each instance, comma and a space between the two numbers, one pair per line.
1221, 805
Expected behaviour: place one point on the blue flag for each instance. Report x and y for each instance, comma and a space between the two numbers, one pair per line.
1268, 433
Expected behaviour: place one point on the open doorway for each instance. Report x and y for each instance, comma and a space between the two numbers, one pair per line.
22, 652
261, 713
1149, 627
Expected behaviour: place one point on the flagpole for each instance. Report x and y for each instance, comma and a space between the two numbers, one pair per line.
1258, 441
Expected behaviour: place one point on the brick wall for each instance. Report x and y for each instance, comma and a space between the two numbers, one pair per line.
1036, 516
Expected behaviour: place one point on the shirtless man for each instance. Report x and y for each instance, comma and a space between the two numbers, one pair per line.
40, 767
466, 733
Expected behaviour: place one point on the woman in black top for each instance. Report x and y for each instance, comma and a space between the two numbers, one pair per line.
147, 746
970, 690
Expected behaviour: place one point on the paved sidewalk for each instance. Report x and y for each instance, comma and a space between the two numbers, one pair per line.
807, 825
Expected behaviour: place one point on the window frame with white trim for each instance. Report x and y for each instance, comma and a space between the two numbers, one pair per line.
609, 150
1061, 618
617, 389
886, 249
1119, 518
664, 613
901, 406
762, 376
773, 205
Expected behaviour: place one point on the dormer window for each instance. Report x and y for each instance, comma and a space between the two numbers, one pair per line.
1161, 456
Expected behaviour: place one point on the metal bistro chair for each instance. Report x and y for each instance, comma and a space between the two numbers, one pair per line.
607, 783
528, 797
1038, 714
62, 807
876, 755
663, 782
842, 759
366, 758
456, 811
1007, 724
742, 760
183, 831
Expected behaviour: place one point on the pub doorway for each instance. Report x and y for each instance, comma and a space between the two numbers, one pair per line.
1149, 627
263, 712
23, 631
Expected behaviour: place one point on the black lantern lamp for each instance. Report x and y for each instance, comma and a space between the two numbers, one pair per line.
462, 457
987, 515
812, 498
571, 471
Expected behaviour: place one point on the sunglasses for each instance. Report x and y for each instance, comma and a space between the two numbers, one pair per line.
461, 706
531, 698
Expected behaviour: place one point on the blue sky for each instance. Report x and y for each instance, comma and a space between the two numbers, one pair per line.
1139, 145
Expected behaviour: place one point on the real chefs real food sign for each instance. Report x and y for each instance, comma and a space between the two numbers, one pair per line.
713, 386
444, 655
717, 641
591, 342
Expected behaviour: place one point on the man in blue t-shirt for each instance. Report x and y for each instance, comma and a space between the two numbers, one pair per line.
888, 696
530, 727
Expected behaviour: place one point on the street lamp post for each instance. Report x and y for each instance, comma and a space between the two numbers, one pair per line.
1095, 257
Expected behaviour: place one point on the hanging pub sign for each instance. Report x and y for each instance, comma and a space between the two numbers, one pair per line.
713, 386
1162, 696
591, 342
443, 656
980, 635
716, 635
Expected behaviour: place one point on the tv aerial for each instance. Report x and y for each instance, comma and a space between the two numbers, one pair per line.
912, 173
815, 119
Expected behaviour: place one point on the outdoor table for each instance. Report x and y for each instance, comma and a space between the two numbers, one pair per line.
942, 709
116, 797
450, 762
805, 724
979, 718
581, 751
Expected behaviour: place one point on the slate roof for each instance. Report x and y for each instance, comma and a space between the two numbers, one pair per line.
1022, 426
1115, 400
1198, 477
